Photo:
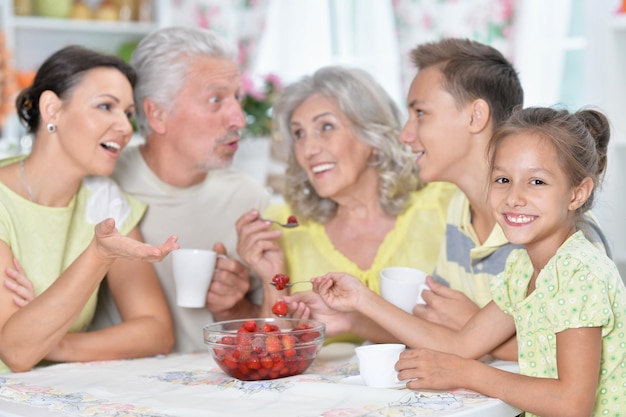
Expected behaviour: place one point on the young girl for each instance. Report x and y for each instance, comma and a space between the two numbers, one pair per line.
562, 295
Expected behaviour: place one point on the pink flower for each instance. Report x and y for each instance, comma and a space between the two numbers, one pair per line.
274, 80
246, 85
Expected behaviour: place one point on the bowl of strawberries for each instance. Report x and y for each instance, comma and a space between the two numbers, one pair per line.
264, 348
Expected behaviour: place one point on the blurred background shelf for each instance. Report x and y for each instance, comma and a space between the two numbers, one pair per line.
81, 26
31, 39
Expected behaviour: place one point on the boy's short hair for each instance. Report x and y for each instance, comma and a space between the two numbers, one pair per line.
473, 70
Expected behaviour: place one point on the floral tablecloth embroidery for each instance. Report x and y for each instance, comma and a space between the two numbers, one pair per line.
196, 377
70, 404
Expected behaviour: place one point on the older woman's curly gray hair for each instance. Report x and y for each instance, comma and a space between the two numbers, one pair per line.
375, 119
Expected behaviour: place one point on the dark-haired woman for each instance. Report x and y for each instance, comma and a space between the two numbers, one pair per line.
65, 226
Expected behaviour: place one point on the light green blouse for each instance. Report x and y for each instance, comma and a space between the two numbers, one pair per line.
579, 287
46, 240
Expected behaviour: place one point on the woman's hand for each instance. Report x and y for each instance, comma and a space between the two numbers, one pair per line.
19, 284
257, 245
111, 244
341, 292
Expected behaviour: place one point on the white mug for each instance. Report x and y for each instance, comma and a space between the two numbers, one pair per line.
377, 364
193, 271
403, 286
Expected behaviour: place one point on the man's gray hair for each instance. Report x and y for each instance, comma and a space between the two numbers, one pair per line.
162, 60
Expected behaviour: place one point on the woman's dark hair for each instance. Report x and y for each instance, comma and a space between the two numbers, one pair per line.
59, 73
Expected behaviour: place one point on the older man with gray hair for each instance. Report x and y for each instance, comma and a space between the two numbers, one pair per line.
189, 113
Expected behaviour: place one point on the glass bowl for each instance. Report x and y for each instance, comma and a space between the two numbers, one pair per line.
266, 348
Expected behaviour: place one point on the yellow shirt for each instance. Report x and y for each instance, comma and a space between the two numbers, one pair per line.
413, 242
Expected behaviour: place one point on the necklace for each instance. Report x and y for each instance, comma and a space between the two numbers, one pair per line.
25, 181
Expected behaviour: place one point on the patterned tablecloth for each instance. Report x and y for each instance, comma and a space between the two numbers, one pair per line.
192, 385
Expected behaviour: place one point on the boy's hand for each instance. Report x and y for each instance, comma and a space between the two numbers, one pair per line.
445, 306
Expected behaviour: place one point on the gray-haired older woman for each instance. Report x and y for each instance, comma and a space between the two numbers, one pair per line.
351, 185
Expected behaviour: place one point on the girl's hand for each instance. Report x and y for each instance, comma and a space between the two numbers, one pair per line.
425, 368
341, 292
110, 244
309, 305
19, 284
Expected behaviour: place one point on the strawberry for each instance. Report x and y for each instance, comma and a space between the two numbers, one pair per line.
267, 362
230, 362
280, 308
272, 344
258, 345
228, 340
292, 220
270, 328
249, 326
289, 342
254, 363
280, 281
309, 336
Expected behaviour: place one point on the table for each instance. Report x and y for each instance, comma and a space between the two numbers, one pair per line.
191, 385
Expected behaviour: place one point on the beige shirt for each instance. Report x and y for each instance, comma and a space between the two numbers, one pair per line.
199, 215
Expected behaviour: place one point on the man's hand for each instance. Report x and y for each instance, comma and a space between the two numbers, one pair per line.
230, 284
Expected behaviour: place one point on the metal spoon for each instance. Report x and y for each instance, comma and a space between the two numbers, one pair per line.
285, 225
291, 284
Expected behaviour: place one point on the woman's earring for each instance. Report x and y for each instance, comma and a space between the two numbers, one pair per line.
51, 127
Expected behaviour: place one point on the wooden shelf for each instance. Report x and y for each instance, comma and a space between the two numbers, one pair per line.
32, 38
77, 25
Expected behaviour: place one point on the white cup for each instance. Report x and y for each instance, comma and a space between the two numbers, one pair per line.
403, 286
193, 271
377, 364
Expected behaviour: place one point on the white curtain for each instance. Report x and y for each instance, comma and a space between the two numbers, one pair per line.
540, 33
301, 36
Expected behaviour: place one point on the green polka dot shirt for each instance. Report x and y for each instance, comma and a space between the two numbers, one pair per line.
579, 287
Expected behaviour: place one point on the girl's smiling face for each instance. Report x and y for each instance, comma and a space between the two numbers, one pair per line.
530, 193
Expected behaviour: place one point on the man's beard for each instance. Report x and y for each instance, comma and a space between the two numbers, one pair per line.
220, 161
232, 134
